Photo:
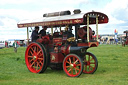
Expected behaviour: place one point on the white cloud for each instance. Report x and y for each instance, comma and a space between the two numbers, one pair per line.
8, 24
11, 36
113, 9
27, 9
4, 2
117, 11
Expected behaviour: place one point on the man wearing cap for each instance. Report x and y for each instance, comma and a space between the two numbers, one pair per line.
35, 34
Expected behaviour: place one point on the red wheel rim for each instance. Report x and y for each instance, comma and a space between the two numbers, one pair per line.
34, 58
90, 63
72, 66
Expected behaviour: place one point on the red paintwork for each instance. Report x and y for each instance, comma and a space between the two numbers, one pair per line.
56, 57
102, 18
94, 36
57, 41
64, 38
65, 49
40, 40
44, 39
90, 44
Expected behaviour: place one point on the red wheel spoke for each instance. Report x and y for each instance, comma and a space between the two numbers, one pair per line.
38, 64
40, 55
41, 63
76, 61
67, 66
92, 63
39, 52
69, 70
40, 59
77, 64
85, 67
32, 64
30, 56
31, 53
35, 48
89, 58
73, 59
91, 67
70, 60
77, 69
32, 49
31, 60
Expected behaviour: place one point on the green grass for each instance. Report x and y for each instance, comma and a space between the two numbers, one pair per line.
112, 69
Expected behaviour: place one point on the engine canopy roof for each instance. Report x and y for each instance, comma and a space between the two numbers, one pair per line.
73, 19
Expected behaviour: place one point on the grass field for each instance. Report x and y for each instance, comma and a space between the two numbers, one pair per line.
112, 69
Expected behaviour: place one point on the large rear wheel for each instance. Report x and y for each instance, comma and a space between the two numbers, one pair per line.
72, 65
90, 63
35, 58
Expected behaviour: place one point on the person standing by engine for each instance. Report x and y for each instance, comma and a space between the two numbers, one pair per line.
35, 34
43, 31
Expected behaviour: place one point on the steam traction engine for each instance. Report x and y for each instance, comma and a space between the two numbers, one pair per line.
63, 50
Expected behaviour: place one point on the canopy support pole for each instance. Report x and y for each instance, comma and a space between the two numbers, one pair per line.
87, 28
76, 28
60, 28
27, 37
52, 30
96, 27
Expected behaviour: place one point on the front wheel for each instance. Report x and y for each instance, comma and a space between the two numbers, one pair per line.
35, 58
72, 65
90, 63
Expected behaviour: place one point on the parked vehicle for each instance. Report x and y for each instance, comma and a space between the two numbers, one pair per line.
2, 44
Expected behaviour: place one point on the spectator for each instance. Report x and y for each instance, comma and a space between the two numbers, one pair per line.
15, 45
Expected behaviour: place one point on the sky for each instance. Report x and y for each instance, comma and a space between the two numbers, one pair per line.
13, 11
